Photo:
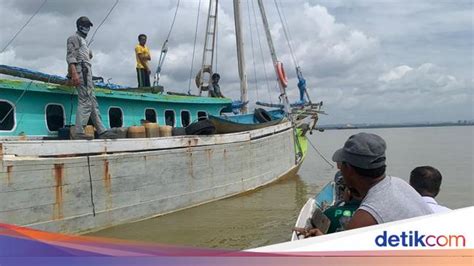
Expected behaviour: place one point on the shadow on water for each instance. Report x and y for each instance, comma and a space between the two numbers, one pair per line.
262, 217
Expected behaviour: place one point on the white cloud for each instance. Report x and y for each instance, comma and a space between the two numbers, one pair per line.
395, 73
365, 60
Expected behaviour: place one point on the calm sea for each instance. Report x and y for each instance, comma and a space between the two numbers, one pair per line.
267, 216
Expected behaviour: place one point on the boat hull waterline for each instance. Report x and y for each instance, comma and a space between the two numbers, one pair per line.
101, 183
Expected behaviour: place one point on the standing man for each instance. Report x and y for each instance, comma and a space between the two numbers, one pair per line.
78, 58
426, 180
143, 56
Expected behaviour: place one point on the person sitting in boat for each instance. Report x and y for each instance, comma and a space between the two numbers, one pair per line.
427, 181
214, 87
341, 214
142, 54
385, 198
78, 58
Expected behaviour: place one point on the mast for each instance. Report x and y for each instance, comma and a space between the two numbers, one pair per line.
240, 56
286, 103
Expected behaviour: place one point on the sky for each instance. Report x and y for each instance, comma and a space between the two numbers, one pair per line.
369, 61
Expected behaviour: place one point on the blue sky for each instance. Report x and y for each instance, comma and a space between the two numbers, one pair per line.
369, 61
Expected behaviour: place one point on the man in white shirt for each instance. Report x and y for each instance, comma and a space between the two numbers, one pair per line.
427, 181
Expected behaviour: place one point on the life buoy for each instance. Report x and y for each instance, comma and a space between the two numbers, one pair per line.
281, 74
200, 82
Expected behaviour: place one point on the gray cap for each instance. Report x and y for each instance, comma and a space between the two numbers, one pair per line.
363, 150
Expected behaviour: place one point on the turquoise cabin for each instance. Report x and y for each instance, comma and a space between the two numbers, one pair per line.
39, 109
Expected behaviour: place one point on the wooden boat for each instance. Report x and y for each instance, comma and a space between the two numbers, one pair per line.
76, 186
323, 200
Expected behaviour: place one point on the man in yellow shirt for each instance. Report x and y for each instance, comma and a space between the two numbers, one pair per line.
143, 56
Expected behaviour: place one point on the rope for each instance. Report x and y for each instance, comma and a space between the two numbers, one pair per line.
286, 22
285, 31
322, 156
164, 49
253, 51
16, 102
261, 53
174, 19
100, 25
21, 29
194, 48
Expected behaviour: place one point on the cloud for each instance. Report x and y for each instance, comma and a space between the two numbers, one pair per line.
396, 73
367, 60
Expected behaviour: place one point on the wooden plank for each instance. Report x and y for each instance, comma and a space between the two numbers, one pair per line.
269, 130
81, 147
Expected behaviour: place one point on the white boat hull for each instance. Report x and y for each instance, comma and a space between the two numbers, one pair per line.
97, 184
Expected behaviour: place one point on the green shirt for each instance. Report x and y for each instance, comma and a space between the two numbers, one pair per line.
340, 215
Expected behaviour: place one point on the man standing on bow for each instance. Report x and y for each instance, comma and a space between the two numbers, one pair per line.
80, 71
142, 54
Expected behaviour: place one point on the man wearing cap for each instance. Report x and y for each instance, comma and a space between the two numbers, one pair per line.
384, 198
79, 70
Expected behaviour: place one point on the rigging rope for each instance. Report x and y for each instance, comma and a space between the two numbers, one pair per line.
261, 53
194, 48
174, 19
286, 23
105, 18
320, 154
299, 74
285, 31
253, 51
164, 49
21, 29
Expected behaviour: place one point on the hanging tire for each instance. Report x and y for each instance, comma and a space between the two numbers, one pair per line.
178, 131
262, 116
203, 127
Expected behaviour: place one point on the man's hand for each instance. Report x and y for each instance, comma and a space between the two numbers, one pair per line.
75, 79
73, 74
308, 233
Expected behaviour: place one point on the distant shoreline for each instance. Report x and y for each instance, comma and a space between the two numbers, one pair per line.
365, 126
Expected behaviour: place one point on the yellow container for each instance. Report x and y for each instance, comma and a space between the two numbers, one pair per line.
166, 131
136, 132
152, 130
89, 130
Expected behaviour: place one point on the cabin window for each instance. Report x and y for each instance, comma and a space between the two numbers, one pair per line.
169, 118
115, 117
7, 116
55, 117
202, 115
185, 118
150, 115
